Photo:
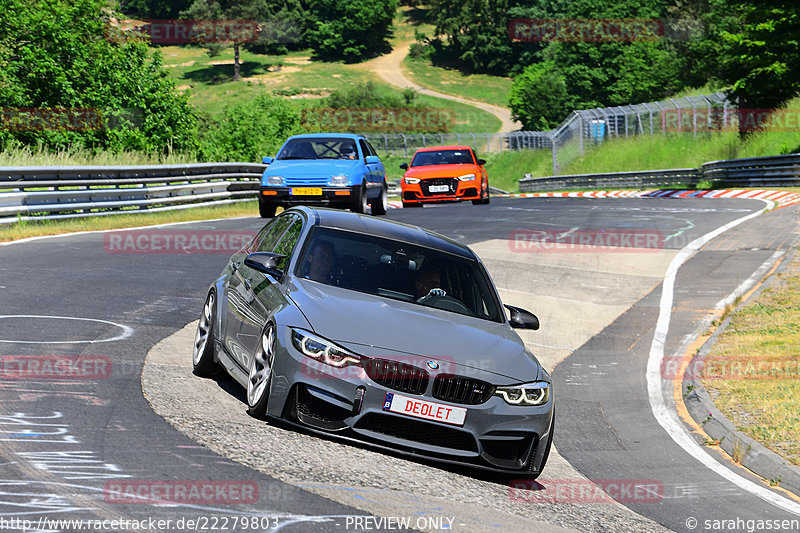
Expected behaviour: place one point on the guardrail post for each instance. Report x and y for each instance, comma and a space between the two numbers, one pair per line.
580, 132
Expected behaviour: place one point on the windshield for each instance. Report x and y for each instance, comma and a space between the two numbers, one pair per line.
319, 148
442, 157
400, 271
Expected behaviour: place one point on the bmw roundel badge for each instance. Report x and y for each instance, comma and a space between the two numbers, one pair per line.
433, 365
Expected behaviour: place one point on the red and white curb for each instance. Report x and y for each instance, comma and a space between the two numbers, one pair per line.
780, 198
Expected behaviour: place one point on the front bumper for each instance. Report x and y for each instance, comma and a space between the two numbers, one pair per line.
287, 196
348, 403
458, 191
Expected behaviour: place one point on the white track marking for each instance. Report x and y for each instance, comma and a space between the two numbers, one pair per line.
127, 331
667, 418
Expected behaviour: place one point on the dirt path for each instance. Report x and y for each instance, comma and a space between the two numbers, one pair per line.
389, 68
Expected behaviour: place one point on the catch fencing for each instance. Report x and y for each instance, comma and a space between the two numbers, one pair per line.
582, 130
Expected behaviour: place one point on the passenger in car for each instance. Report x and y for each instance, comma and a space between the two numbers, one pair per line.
319, 261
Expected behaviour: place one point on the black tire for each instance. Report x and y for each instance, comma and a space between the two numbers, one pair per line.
360, 203
381, 203
266, 210
484, 199
259, 381
203, 362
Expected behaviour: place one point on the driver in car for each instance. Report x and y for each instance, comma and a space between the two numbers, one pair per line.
320, 261
427, 284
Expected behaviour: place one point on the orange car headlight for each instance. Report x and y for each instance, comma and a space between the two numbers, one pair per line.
466, 177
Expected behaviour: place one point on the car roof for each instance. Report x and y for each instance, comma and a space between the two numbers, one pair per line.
381, 227
326, 135
449, 147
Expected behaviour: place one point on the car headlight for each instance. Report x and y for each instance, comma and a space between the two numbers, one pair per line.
411, 181
275, 180
466, 177
339, 180
528, 394
323, 350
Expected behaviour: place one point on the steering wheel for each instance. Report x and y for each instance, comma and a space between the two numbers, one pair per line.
447, 303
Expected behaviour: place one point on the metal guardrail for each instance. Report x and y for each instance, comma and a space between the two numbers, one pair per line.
770, 171
28, 193
65, 192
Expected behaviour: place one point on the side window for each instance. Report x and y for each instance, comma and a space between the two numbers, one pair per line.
288, 241
364, 149
372, 150
274, 232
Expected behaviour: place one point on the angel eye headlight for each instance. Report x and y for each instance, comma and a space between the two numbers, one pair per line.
323, 350
537, 393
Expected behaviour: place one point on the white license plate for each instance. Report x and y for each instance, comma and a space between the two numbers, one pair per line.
417, 408
439, 188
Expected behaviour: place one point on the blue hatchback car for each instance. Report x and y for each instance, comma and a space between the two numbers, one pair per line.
328, 169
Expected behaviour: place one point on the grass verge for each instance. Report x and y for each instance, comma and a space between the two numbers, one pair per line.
25, 229
753, 370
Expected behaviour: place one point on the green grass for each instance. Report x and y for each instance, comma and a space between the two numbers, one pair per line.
479, 87
210, 86
37, 156
752, 371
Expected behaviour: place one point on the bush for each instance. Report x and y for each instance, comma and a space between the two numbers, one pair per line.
539, 97
249, 130
62, 56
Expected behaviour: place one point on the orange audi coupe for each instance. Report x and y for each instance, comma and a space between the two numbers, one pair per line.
444, 174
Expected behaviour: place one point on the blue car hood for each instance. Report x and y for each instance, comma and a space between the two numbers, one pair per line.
312, 167
375, 326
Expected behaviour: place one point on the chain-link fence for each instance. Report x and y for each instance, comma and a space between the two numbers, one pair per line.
582, 130
585, 129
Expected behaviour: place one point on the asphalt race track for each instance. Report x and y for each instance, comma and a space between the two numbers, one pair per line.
73, 445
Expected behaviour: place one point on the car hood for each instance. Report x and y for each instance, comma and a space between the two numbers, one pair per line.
376, 326
441, 171
315, 167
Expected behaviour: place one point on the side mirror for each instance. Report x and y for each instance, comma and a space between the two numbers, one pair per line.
520, 318
481, 162
404, 166
267, 160
265, 262
372, 160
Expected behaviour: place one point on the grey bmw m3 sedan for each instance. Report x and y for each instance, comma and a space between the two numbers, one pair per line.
380, 332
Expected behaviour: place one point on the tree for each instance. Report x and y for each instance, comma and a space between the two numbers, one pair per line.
761, 57
350, 30
227, 11
155, 9
539, 97
58, 60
